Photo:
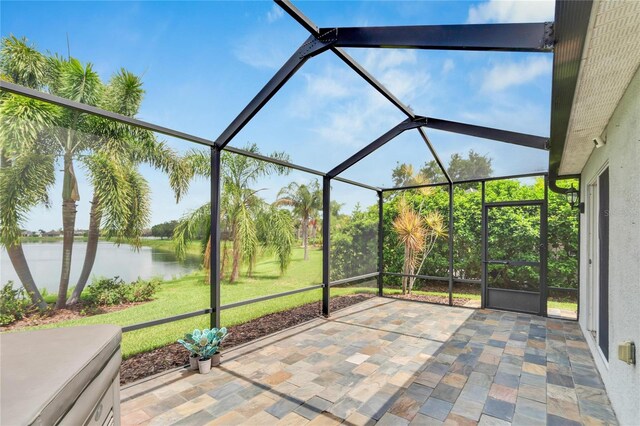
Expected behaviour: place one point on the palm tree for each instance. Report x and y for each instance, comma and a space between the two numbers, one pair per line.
35, 136
418, 235
306, 200
240, 208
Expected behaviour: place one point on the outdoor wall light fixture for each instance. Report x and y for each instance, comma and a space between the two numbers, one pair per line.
573, 197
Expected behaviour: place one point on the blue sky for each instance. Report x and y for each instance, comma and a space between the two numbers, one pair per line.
202, 62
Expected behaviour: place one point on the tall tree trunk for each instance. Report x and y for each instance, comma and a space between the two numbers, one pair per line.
206, 261
250, 268
235, 268
95, 216
305, 237
69, 198
19, 262
225, 256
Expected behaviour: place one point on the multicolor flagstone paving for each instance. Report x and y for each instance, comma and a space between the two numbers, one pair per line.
390, 362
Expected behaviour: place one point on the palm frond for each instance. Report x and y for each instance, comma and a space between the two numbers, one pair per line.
247, 235
111, 186
123, 94
23, 122
22, 62
24, 184
189, 226
139, 207
78, 82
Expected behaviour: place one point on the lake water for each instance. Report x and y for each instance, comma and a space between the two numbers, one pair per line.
112, 260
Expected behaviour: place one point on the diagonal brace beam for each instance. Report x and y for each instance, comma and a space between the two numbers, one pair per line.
311, 47
435, 155
526, 37
515, 138
398, 129
296, 14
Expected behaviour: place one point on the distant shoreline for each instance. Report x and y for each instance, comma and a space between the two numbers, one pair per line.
193, 249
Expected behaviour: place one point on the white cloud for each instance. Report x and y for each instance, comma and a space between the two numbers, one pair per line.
505, 75
514, 115
274, 13
253, 51
366, 114
326, 86
505, 11
384, 59
447, 66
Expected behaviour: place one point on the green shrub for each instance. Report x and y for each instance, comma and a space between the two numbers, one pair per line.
143, 290
14, 304
114, 291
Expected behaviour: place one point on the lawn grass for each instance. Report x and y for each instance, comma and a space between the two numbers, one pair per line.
191, 293
194, 248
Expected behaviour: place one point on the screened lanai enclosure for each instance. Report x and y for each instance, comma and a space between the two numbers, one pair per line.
441, 211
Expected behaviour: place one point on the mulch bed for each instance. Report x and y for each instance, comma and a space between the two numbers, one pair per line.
431, 299
78, 310
174, 355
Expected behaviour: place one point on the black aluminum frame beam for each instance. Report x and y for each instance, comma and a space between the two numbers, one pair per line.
435, 155
525, 37
326, 245
300, 17
214, 238
373, 146
380, 243
311, 47
434, 278
530, 37
515, 138
90, 109
460, 182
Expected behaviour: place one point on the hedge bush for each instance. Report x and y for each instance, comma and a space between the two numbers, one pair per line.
114, 291
14, 304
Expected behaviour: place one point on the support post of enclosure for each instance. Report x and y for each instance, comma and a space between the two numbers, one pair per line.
214, 238
326, 243
483, 295
380, 243
543, 248
451, 244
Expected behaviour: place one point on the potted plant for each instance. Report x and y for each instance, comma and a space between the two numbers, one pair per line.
189, 344
205, 344
219, 336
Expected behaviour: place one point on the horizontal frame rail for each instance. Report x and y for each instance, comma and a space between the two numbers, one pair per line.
270, 296
433, 278
353, 279
570, 290
466, 181
518, 37
514, 203
166, 320
174, 318
515, 138
353, 182
90, 109
272, 160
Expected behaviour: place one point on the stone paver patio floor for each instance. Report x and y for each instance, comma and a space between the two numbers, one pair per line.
391, 362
